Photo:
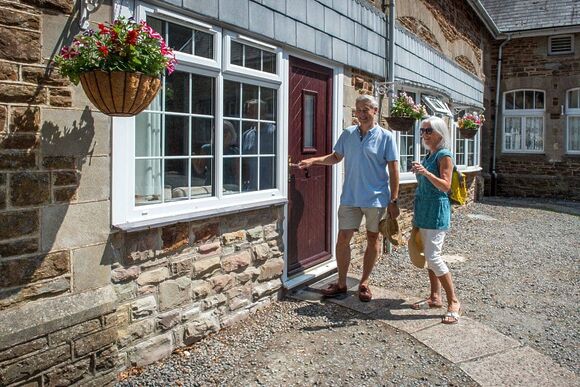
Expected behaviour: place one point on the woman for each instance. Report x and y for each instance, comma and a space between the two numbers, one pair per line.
433, 213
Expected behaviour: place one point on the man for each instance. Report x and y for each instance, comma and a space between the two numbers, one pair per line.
368, 150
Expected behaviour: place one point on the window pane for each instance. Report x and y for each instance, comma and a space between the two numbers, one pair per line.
201, 178
177, 92
250, 101
574, 133
270, 106
574, 99
202, 136
231, 99
509, 101
269, 62
203, 44
529, 100
249, 137
519, 100
249, 174
179, 38
253, 58
176, 136
176, 179
202, 95
231, 174
237, 54
147, 181
231, 138
471, 152
539, 100
267, 172
267, 138
308, 124
534, 133
148, 135
407, 149
460, 150
513, 133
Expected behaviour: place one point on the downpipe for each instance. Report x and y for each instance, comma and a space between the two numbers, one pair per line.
495, 119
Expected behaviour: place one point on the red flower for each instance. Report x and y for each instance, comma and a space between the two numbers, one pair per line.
103, 29
103, 49
132, 37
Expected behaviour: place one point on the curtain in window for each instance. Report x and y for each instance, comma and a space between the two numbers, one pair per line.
574, 133
148, 134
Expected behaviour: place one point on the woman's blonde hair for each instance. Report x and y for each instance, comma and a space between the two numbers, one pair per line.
440, 127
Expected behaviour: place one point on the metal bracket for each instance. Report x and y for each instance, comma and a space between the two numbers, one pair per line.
86, 7
384, 88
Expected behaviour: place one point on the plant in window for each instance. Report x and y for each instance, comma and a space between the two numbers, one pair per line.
119, 66
404, 113
470, 123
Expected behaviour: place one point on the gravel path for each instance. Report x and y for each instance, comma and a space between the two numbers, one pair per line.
520, 277
521, 274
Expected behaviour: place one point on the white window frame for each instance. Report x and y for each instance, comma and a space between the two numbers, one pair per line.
125, 214
571, 112
523, 113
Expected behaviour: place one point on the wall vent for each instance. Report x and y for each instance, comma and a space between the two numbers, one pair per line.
561, 44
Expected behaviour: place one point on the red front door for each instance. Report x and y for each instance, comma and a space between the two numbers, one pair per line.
310, 199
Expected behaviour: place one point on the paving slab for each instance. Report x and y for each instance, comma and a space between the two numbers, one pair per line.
464, 341
402, 317
521, 366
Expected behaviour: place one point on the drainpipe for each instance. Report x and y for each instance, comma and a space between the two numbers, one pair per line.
495, 119
391, 51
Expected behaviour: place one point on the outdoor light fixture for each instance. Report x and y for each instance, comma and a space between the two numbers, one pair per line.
86, 7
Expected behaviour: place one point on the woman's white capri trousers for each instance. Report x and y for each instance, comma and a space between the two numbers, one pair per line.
433, 244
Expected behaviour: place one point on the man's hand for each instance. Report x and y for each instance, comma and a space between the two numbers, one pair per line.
307, 163
393, 210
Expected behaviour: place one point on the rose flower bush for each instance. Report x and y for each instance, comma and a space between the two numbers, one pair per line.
404, 106
123, 45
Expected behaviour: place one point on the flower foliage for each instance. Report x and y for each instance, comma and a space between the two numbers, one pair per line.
123, 45
404, 106
471, 121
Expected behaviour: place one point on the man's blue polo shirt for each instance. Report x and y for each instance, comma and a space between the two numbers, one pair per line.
366, 182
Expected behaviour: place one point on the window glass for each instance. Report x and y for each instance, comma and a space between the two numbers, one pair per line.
524, 121
252, 57
513, 133
184, 39
203, 44
539, 104
252, 161
574, 99
574, 133
309, 102
509, 100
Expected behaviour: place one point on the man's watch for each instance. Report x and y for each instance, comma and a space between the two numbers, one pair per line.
393, 201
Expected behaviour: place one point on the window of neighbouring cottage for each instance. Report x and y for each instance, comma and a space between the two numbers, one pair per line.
523, 123
208, 143
466, 149
573, 121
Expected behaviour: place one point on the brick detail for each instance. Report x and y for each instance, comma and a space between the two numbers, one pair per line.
29, 188
27, 270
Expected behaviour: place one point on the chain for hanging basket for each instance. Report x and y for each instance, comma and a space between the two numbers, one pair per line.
119, 93
401, 124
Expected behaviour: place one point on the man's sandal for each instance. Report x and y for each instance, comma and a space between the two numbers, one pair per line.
425, 304
333, 290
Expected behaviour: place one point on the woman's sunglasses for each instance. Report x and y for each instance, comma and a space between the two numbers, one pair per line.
426, 130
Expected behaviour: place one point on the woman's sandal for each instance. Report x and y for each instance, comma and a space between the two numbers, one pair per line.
425, 304
451, 317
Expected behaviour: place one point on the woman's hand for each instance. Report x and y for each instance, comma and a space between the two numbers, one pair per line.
418, 169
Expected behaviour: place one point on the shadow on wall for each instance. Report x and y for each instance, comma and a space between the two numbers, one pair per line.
39, 186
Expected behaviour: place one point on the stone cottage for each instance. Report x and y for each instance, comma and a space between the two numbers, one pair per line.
122, 239
533, 145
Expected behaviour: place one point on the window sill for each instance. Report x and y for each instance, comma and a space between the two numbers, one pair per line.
139, 225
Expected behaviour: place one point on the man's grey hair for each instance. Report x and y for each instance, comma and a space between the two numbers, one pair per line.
368, 100
440, 127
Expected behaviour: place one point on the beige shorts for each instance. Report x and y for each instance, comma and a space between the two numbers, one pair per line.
349, 218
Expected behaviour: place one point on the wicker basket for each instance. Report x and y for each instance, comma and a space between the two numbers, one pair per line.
118, 93
401, 124
467, 133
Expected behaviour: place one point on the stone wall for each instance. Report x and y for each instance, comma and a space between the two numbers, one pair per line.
526, 65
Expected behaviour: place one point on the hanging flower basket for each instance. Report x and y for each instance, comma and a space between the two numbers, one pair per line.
468, 133
469, 124
401, 124
118, 93
119, 66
